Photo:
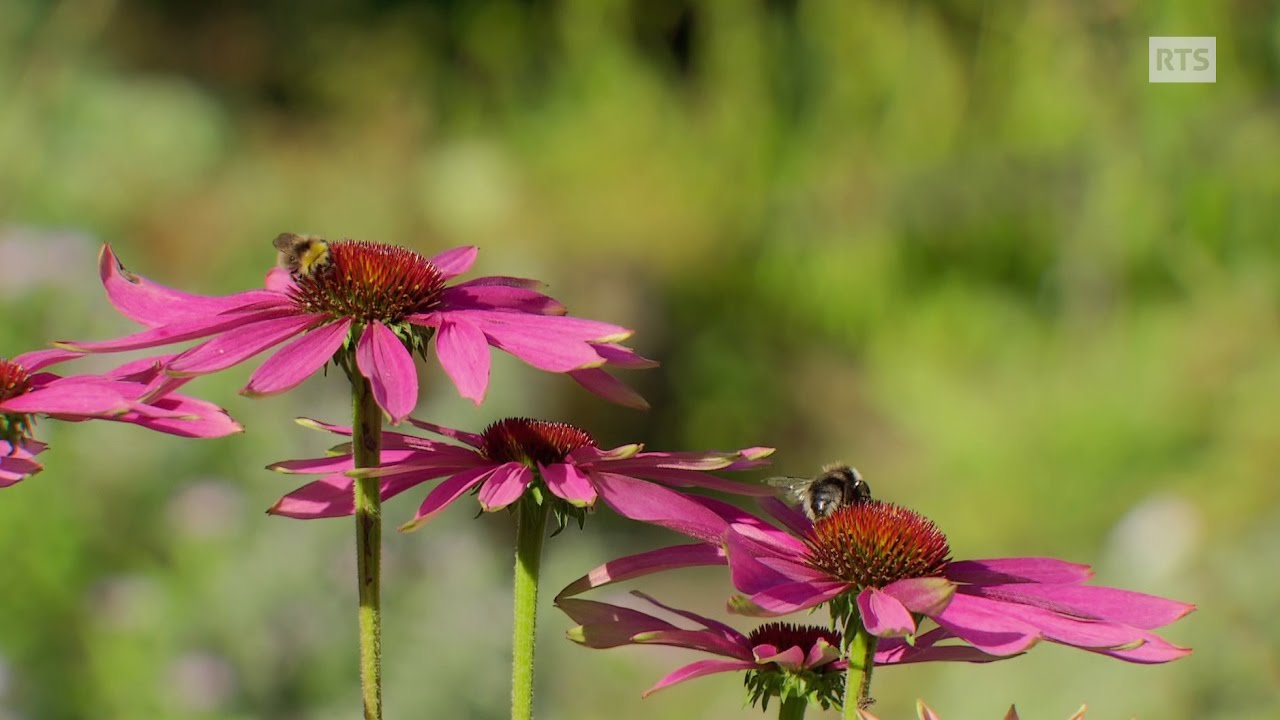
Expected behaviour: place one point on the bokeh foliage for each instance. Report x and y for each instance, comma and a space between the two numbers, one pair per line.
961, 244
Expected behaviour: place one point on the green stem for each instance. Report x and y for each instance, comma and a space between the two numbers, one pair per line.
793, 709
531, 526
366, 443
860, 651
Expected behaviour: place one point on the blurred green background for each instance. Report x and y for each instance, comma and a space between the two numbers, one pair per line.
963, 245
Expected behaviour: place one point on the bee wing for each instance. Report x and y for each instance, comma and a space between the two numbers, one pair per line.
286, 242
791, 488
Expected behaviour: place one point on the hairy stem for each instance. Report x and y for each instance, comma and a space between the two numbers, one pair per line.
860, 651
531, 525
366, 442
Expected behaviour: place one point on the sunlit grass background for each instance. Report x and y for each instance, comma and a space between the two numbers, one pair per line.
962, 245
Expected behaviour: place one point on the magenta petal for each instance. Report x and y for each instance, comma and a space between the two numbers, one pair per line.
1154, 649
84, 396
793, 518
463, 351
786, 599
151, 304
1087, 601
189, 417
330, 496
177, 332
452, 263
698, 669
601, 383
602, 626
1015, 570
443, 495
499, 297
298, 360
621, 356
704, 640
791, 659
925, 596
883, 615
383, 359
240, 343
757, 564
37, 360
566, 481
475, 440
505, 486
706, 622
646, 502
646, 563
985, 627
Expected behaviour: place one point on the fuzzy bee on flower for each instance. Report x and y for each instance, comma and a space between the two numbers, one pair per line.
302, 255
818, 497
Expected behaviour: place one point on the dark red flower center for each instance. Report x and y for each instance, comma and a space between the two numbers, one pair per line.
368, 281
14, 381
531, 442
874, 544
786, 635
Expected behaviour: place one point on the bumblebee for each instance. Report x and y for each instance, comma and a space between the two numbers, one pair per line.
819, 497
302, 255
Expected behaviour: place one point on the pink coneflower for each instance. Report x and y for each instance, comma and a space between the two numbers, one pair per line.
514, 455
894, 566
790, 662
369, 309
137, 392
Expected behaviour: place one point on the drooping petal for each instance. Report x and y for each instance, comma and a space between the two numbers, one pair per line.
690, 478
505, 486
442, 495
924, 596
478, 296
704, 640
475, 440
986, 628
1154, 649
240, 343
153, 305
600, 383
621, 356
645, 563
883, 615
602, 626
463, 351
707, 622
81, 395
385, 361
566, 481
186, 417
37, 360
1015, 570
176, 332
455, 261
786, 599
698, 669
332, 496
1090, 601
298, 360
547, 342
654, 504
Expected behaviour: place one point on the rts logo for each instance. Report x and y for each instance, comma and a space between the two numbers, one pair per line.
1182, 59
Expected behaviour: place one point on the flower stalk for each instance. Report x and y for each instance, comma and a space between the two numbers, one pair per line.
793, 708
366, 448
860, 652
531, 525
